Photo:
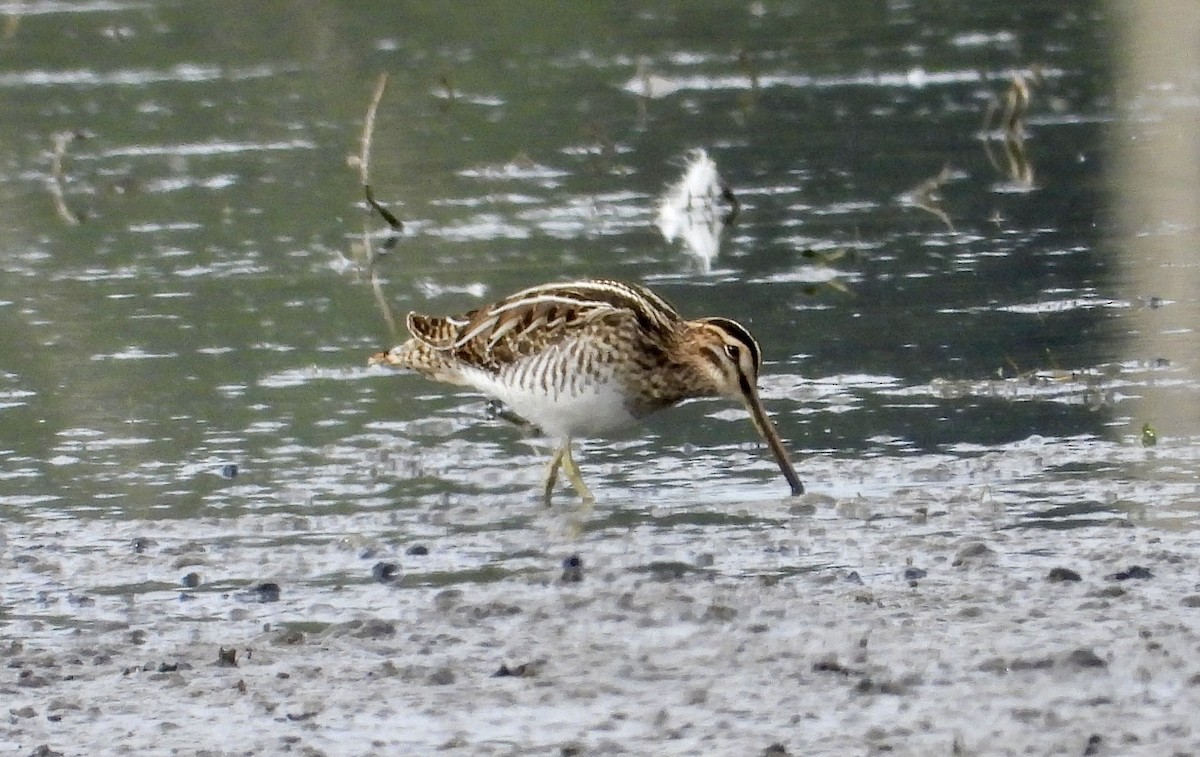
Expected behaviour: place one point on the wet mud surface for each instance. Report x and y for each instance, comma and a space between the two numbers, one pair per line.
963, 235
895, 625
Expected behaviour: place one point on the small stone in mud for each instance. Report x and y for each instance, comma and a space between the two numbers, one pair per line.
141, 543
776, 750
300, 717
854, 578
417, 550
1134, 571
267, 591
384, 572
1191, 600
524, 670
226, 658
1059, 575
191, 580
45, 751
229, 471
1085, 658
572, 569
914, 574
1094, 743
831, 665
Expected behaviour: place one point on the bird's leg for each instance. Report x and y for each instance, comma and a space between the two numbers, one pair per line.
565, 460
575, 476
552, 470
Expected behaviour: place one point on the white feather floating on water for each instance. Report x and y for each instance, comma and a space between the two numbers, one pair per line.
693, 211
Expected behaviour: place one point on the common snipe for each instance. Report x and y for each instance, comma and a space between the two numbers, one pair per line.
585, 357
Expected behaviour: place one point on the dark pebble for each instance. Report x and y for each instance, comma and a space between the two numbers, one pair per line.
1134, 571
1058, 575
503, 672
572, 569
776, 750
226, 658
1094, 744
229, 471
265, 592
831, 665
419, 550
191, 580
524, 670
268, 591
1085, 658
45, 751
914, 574
300, 717
141, 543
854, 578
384, 572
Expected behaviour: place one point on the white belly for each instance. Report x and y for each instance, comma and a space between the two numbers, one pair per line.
560, 400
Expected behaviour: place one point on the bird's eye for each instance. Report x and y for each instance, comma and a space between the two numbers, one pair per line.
733, 352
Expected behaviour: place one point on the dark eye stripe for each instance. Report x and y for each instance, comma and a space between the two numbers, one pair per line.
739, 332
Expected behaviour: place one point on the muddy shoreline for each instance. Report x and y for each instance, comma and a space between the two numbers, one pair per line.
800, 631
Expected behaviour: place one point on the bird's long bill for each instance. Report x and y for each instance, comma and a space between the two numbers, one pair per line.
766, 429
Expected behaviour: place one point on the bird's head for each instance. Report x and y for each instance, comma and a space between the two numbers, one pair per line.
729, 358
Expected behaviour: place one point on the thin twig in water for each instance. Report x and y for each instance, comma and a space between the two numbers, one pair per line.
364, 143
1006, 125
58, 177
364, 173
364, 161
925, 196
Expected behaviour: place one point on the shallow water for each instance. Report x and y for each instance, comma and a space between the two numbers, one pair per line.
971, 314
